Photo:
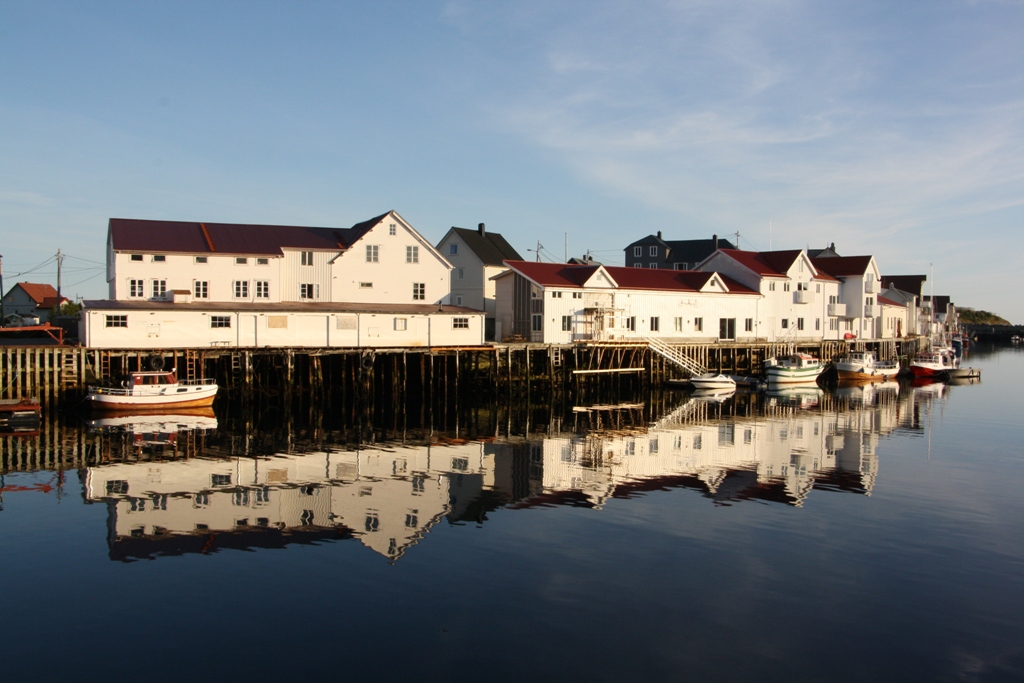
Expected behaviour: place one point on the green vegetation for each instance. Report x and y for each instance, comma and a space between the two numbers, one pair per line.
972, 317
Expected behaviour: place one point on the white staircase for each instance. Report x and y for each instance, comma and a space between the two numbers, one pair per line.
675, 356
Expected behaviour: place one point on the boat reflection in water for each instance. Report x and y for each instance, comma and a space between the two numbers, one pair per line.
776, 448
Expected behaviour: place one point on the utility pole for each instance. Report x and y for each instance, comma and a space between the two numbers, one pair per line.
2, 316
60, 260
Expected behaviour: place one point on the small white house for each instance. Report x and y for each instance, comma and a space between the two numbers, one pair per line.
477, 256
559, 303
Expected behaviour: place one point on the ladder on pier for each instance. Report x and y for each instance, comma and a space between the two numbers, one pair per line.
675, 356
191, 361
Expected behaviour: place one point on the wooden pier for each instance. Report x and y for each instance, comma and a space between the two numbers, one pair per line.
60, 374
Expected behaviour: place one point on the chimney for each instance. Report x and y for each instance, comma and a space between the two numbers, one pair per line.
714, 238
481, 229
659, 234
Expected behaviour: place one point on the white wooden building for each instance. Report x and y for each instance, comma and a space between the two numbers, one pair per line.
797, 302
477, 256
174, 284
561, 303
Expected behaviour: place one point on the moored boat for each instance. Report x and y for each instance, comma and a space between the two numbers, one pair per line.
19, 413
154, 390
863, 366
796, 368
965, 373
712, 380
933, 364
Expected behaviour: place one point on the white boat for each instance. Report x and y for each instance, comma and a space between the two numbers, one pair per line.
965, 373
796, 368
153, 391
863, 366
712, 380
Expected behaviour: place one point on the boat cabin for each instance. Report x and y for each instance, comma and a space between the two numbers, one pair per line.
151, 378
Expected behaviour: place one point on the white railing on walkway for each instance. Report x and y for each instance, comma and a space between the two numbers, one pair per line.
675, 355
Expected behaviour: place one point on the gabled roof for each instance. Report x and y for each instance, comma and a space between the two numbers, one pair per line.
44, 296
765, 263
489, 247
654, 279
913, 284
886, 301
136, 235
843, 266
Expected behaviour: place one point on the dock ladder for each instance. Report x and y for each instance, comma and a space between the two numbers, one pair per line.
675, 356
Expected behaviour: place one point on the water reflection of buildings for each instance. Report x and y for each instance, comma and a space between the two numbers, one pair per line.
387, 498
172, 487
779, 454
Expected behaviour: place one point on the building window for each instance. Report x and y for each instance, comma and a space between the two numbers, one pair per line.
817, 287
748, 325
803, 286
785, 286
412, 254
537, 322
638, 251
365, 285
201, 289
159, 258
419, 291
460, 273
566, 323
817, 324
453, 249
401, 324
655, 324
631, 323
771, 286
679, 324
200, 259
117, 321
698, 324
136, 288
785, 323
262, 289
136, 257
372, 253
680, 266
577, 295
241, 289
309, 291
262, 262
220, 321
392, 229
307, 258
458, 301
727, 328
460, 323
799, 323
652, 265
241, 261
833, 324
556, 295
159, 288
653, 251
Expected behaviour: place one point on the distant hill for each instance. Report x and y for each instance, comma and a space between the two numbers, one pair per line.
972, 317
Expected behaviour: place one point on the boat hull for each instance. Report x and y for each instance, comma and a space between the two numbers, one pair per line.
713, 382
866, 376
783, 375
201, 397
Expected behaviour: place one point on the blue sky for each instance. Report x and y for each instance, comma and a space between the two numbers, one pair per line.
890, 128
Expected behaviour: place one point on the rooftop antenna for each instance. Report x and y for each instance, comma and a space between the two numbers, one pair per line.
566, 247
769, 233
1, 289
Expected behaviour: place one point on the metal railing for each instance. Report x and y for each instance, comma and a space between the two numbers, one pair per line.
675, 356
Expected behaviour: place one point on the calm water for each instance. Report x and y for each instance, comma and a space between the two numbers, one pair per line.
863, 535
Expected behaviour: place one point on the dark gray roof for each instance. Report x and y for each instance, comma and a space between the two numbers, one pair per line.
490, 247
135, 235
907, 283
682, 251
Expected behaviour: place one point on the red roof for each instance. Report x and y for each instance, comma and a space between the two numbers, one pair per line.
843, 266
135, 235
45, 296
889, 302
765, 263
656, 279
